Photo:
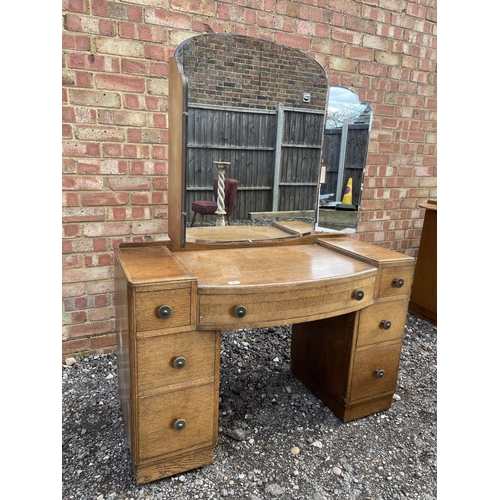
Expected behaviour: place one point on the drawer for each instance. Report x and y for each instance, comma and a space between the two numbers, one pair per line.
148, 305
158, 414
395, 280
160, 360
293, 305
367, 364
381, 322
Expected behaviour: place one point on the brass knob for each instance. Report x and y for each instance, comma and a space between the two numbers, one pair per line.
180, 362
179, 424
164, 312
398, 283
240, 311
379, 373
386, 324
359, 294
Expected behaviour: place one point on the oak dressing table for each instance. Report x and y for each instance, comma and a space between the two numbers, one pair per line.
346, 300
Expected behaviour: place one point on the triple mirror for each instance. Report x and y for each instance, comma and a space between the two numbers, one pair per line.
264, 115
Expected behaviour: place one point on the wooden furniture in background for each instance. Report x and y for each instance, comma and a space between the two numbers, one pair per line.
423, 302
347, 302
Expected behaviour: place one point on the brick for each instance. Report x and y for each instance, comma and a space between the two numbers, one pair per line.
167, 18
119, 47
90, 329
104, 199
122, 118
80, 149
104, 341
83, 214
85, 274
150, 227
129, 183
388, 58
97, 133
94, 98
120, 82
93, 230
102, 167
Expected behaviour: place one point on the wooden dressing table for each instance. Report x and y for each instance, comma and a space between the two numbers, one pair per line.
347, 302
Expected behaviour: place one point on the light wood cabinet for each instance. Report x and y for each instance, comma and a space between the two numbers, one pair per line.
347, 302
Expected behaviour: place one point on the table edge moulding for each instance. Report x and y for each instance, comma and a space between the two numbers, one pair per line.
346, 301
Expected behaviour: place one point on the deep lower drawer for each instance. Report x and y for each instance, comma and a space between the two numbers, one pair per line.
375, 370
178, 358
381, 322
160, 416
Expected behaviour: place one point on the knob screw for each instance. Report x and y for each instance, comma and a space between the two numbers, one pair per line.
398, 283
180, 362
240, 311
179, 424
164, 312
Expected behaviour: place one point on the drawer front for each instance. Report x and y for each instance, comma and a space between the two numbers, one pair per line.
241, 310
390, 279
381, 322
159, 414
368, 363
148, 305
178, 358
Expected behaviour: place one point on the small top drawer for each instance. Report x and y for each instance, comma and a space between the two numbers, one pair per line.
382, 321
166, 308
395, 280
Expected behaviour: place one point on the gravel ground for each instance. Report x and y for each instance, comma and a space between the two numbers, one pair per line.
276, 439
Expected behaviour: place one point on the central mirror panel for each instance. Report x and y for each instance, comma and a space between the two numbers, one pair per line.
250, 110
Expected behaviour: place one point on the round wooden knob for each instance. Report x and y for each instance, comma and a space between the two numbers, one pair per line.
379, 373
386, 324
240, 311
180, 362
180, 424
398, 283
164, 312
359, 294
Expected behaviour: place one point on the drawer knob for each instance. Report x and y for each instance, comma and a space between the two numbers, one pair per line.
164, 312
180, 362
386, 324
179, 424
398, 283
359, 294
379, 373
240, 311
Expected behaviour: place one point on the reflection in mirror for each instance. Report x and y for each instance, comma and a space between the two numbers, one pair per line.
260, 107
345, 147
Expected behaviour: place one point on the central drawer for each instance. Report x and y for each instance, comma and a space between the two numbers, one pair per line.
269, 306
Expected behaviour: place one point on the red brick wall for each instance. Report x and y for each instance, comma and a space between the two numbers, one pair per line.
115, 122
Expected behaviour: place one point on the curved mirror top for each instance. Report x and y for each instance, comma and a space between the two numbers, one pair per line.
253, 111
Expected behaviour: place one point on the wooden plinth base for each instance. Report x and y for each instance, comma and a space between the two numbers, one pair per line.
174, 464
